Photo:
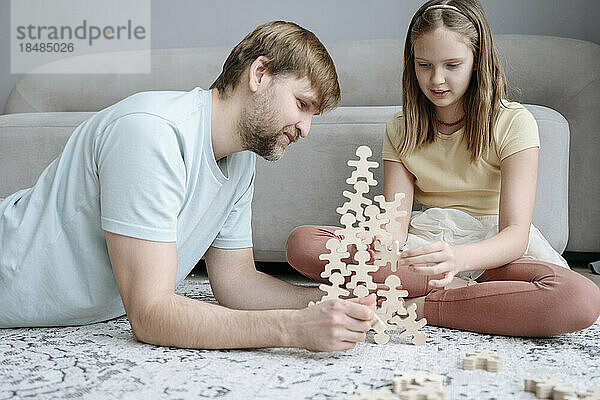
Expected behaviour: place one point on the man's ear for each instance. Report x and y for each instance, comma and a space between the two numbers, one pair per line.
258, 74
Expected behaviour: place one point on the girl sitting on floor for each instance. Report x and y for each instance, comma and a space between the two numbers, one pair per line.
470, 157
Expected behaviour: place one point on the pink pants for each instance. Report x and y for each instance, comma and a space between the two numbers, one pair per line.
523, 298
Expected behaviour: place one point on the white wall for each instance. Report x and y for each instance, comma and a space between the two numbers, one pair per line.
190, 23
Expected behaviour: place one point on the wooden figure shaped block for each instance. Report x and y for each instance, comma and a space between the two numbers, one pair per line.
388, 255
411, 325
356, 200
360, 291
402, 380
362, 166
423, 393
391, 211
374, 226
349, 232
545, 388
482, 359
380, 326
361, 271
335, 258
394, 302
336, 290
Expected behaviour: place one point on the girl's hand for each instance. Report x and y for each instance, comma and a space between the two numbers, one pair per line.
432, 259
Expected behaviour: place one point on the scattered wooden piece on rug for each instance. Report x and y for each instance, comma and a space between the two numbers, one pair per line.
482, 359
402, 380
418, 385
411, 325
546, 387
334, 258
423, 393
563, 392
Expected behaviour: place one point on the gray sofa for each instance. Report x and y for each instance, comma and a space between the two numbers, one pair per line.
306, 186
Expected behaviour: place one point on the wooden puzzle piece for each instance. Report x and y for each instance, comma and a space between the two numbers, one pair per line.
391, 212
592, 393
380, 326
362, 166
361, 271
545, 388
482, 359
360, 291
402, 380
388, 255
335, 258
423, 393
394, 302
374, 226
349, 233
356, 200
411, 325
335, 291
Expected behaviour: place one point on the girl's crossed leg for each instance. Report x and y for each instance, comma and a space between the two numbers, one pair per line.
523, 298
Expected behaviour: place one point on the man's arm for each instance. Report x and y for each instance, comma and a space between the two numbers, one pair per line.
145, 273
237, 284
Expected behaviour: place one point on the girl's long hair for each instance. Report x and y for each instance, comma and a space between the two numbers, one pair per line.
485, 93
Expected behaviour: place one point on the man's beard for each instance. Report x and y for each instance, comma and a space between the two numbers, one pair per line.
259, 130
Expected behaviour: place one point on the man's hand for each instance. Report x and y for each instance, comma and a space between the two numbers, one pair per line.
433, 259
334, 325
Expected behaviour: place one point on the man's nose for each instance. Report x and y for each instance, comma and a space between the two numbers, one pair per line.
304, 126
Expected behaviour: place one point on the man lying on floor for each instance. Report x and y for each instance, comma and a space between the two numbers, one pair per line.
146, 187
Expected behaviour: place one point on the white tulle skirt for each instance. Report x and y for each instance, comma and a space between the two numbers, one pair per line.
458, 227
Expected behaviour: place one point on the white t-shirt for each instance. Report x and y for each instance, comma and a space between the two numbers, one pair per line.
143, 168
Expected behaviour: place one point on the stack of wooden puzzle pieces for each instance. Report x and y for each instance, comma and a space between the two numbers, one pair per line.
366, 224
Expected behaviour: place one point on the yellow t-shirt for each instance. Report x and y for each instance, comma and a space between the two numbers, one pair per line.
444, 175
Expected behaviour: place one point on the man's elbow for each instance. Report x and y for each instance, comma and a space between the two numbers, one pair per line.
146, 322
142, 328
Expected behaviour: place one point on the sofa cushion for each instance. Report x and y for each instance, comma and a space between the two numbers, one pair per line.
306, 185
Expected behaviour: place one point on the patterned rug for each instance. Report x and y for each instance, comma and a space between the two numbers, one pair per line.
104, 361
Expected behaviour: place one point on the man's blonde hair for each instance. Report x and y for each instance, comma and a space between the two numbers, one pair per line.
290, 50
